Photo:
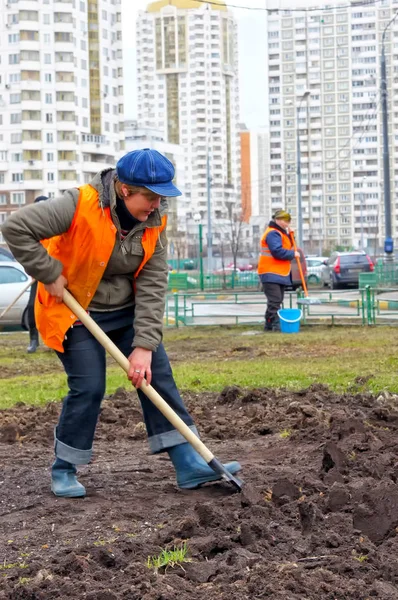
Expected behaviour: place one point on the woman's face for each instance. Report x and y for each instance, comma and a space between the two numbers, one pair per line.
282, 223
140, 205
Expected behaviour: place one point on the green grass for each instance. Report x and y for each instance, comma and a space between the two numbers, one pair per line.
210, 358
169, 558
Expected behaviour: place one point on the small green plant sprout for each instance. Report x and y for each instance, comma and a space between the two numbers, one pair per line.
23, 580
359, 557
169, 558
285, 433
18, 565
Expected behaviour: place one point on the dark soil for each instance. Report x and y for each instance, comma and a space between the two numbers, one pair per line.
317, 520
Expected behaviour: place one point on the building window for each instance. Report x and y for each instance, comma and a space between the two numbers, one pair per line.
18, 197
13, 59
16, 177
47, 59
50, 177
49, 138
48, 98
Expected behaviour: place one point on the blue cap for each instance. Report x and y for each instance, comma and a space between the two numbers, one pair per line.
147, 168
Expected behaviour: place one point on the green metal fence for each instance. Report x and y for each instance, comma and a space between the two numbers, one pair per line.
371, 306
229, 281
385, 275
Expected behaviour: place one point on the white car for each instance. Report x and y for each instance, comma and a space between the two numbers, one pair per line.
13, 280
314, 268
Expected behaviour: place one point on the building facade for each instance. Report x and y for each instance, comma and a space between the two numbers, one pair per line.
324, 88
188, 89
61, 96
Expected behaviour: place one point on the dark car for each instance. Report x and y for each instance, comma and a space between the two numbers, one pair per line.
342, 269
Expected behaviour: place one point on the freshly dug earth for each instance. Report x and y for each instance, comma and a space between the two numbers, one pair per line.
317, 520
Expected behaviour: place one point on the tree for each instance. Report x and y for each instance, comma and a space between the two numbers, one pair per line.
231, 229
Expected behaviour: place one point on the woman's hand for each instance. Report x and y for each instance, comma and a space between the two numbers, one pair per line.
56, 288
140, 366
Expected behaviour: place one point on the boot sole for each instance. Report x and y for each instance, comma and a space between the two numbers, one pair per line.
80, 494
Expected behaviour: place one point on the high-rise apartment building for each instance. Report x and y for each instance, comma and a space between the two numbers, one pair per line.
255, 177
61, 95
324, 87
188, 88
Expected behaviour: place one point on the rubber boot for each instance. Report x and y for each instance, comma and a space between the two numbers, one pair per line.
268, 326
64, 482
276, 325
34, 340
191, 470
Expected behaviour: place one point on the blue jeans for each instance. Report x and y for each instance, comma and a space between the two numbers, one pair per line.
85, 366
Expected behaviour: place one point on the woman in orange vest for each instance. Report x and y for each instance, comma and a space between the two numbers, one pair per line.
108, 246
274, 265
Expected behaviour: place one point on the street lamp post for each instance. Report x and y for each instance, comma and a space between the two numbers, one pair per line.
298, 169
209, 225
198, 219
209, 231
388, 242
362, 199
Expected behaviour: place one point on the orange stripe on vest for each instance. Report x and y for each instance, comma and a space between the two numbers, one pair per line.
84, 250
267, 263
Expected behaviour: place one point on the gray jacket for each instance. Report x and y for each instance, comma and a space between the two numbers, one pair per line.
24, 230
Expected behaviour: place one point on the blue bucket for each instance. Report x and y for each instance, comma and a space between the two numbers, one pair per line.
289, 319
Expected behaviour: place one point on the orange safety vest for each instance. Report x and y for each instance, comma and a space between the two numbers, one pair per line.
267, 263
84, 250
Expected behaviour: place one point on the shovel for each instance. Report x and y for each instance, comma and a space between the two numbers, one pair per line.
307, 299
152, 394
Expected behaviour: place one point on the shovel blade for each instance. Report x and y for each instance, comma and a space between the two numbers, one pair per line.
308, 301
219, 468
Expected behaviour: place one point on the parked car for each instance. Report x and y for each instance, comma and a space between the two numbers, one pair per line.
242, 267
226, 270
342, 269
6, 256
12, 281
315, 265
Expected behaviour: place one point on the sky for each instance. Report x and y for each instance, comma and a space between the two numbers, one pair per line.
252, 59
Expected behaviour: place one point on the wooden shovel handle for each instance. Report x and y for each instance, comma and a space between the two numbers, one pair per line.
299, 266
148, 390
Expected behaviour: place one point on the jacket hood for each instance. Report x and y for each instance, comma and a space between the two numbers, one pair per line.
103, 183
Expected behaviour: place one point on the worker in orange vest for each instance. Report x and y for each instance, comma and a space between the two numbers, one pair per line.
274, 265
108, 246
